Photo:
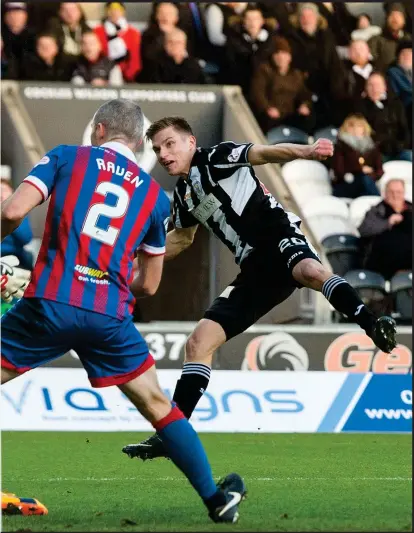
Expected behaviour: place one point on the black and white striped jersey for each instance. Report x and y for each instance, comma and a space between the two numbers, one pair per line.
223, 193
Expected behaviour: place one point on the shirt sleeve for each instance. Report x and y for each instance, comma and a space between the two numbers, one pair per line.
154, 241
227, 154
43, 175
182, 218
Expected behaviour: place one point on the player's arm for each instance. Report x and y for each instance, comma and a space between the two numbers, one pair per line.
260, 154
18, 206
148, 279
178, 240
34, 190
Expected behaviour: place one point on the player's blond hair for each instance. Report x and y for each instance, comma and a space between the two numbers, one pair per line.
178, 123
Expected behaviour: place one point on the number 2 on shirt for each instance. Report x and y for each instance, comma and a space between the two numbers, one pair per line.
109, 235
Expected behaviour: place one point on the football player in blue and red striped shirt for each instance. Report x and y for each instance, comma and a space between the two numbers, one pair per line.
103, 209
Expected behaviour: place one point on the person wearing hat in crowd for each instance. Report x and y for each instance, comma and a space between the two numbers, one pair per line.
18, 38
120, 41
400, 77
69, 28
408, 6
384, 47
278, 92
314, 53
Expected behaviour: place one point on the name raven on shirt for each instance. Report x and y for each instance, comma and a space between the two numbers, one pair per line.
118, 170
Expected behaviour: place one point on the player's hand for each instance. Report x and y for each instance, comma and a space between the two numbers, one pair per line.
321, 149
13, 280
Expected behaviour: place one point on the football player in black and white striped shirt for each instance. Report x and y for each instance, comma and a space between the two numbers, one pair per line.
218, 188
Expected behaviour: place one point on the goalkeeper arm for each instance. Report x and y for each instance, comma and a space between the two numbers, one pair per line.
13, 280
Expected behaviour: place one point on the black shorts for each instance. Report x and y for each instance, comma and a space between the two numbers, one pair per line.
265, 280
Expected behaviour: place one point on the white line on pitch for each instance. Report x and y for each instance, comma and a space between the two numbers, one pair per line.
74, 479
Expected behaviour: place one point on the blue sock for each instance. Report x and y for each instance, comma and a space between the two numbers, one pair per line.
186, 451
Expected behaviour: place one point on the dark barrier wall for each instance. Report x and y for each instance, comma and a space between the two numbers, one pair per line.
61, 114
299, 348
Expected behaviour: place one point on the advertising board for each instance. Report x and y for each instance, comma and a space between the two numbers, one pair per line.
236, 401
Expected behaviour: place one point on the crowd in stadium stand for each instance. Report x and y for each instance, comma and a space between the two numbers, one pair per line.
302, 65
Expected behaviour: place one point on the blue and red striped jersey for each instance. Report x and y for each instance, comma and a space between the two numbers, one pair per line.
103, 207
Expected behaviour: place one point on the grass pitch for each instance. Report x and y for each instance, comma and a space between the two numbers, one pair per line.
334, 482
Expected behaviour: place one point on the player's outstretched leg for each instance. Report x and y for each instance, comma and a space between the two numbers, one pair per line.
184, 447
200, 347
345, 299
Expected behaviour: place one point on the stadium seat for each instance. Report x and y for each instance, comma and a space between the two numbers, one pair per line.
401, 289
342, 251
283, 134
371, 287
306, 180
360, 206
328, 215
330, 132
398, 169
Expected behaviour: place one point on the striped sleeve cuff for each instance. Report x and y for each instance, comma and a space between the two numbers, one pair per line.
40, 186
151, 250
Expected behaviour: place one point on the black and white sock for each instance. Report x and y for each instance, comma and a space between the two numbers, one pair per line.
345, 299
191, 386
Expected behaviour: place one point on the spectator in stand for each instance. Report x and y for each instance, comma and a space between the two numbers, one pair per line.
218, 18
18, 38
340, 21
384, 47
249, 42
400, 77
191, 21
15, 242
93, 66
164, 18
120, 41
314, 53
358, 68
278, 92
387, 232
69, 28
41, 13
386, 116
365, 29
8, 64
48, 63
282, 12
356, 163
408, 7
175, 65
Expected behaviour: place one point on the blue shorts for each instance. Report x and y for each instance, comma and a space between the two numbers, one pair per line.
36, 331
